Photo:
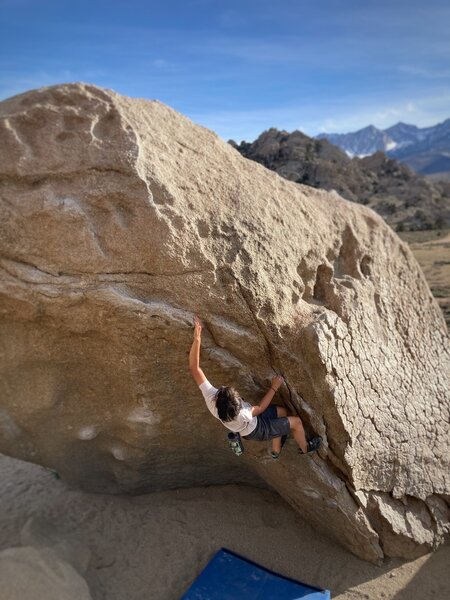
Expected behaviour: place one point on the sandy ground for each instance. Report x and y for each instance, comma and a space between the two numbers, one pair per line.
152, 547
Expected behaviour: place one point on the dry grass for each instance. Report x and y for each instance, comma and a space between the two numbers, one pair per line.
432, 251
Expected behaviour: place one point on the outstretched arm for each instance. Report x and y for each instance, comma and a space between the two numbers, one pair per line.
194, 354
277, 381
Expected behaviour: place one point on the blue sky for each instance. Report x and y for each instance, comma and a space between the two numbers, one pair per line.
242, 67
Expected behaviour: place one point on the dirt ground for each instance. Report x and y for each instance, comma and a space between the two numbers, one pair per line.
152, 547
432, 251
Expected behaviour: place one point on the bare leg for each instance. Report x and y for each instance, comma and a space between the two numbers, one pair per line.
276, 445
276, 442
298, 433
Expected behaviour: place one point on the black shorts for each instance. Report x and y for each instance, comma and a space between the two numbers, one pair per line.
269, 426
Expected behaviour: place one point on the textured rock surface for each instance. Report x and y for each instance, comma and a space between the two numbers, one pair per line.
406, 200
120, 220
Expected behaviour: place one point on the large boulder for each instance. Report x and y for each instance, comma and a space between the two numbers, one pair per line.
121, 220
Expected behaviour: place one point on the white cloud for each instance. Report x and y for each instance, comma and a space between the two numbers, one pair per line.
342, 116
11, 85
426, 72
248, 124
423, 112
231, 18
160, 63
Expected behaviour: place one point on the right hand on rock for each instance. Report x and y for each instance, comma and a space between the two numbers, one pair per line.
277, 382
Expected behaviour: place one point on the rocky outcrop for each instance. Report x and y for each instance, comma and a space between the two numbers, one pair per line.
406, 200
48, 565
121, 219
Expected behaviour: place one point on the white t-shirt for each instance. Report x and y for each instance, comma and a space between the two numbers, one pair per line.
244, 422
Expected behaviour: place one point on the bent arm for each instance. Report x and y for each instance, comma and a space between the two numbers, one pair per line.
194, 355
276, 383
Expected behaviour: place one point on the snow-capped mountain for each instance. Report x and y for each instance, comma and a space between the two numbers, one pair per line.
360, 143
426, 149
403, 134
406, 200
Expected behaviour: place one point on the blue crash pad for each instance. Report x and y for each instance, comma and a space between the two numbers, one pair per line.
229, 576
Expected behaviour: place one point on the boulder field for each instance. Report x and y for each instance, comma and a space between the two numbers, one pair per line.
120, 220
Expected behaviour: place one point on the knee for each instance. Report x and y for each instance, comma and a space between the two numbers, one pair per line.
295, 422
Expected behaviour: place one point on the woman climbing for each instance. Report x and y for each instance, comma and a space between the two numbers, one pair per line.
258, 423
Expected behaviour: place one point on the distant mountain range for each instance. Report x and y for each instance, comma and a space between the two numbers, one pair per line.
407, 200
426, 150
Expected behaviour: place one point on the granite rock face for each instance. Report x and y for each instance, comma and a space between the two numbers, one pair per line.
406, 200
120, 220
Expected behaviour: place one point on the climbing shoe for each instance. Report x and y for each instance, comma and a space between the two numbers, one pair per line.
313, 444
235, 443
276, 455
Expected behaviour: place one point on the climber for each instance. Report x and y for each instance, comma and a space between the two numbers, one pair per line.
258, 423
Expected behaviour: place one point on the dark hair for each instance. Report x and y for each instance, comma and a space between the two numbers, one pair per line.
228, 403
